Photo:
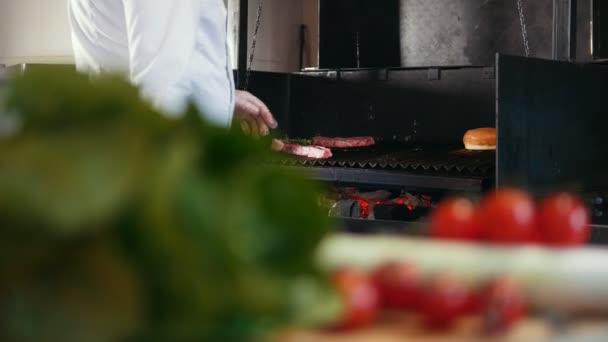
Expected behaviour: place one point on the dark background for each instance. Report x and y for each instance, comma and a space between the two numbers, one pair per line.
600, 32
555, 136
376, 21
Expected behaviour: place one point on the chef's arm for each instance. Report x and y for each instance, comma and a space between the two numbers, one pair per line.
161, 39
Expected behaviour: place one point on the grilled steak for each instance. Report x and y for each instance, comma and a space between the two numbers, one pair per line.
343, 142
314, 152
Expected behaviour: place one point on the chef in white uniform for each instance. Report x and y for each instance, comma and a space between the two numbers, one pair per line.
174, 50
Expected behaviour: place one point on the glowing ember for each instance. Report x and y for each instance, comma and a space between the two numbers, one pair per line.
410, 201
364, 207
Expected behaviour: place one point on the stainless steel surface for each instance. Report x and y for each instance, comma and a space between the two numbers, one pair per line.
564, 30
471, 32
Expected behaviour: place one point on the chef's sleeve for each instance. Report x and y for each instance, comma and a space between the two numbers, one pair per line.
162, 38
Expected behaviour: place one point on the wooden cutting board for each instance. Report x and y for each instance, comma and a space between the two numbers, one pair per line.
399, 328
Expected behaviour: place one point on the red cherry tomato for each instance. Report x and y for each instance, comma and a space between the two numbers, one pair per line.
474, 303
564, 220
455, 218
397, 284
443, 300
503, 305
508, 216
537, 237
359, 296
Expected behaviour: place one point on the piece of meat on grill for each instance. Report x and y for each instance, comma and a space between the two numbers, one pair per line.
339, 142
308, 151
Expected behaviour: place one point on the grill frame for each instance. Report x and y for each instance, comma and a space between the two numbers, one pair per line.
447, 168
448, 160
384, 179
532, 102
371, 102
436, 105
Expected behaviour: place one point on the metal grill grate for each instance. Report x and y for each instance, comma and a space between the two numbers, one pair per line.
451, 160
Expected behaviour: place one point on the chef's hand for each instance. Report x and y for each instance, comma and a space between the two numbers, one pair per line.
252, 114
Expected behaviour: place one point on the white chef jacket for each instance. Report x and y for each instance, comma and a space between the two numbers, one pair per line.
174, 50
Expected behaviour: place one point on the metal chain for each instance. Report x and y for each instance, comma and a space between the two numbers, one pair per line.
254, 40
524, 30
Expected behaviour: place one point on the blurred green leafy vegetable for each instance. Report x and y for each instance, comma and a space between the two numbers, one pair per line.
121, 224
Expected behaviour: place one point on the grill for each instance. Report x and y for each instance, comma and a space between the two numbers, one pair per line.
550, 117
448, 168
443, 160
417, 116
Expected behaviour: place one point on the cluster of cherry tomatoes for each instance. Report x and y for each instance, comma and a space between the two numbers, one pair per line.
511, 216
439, 300
504, 216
